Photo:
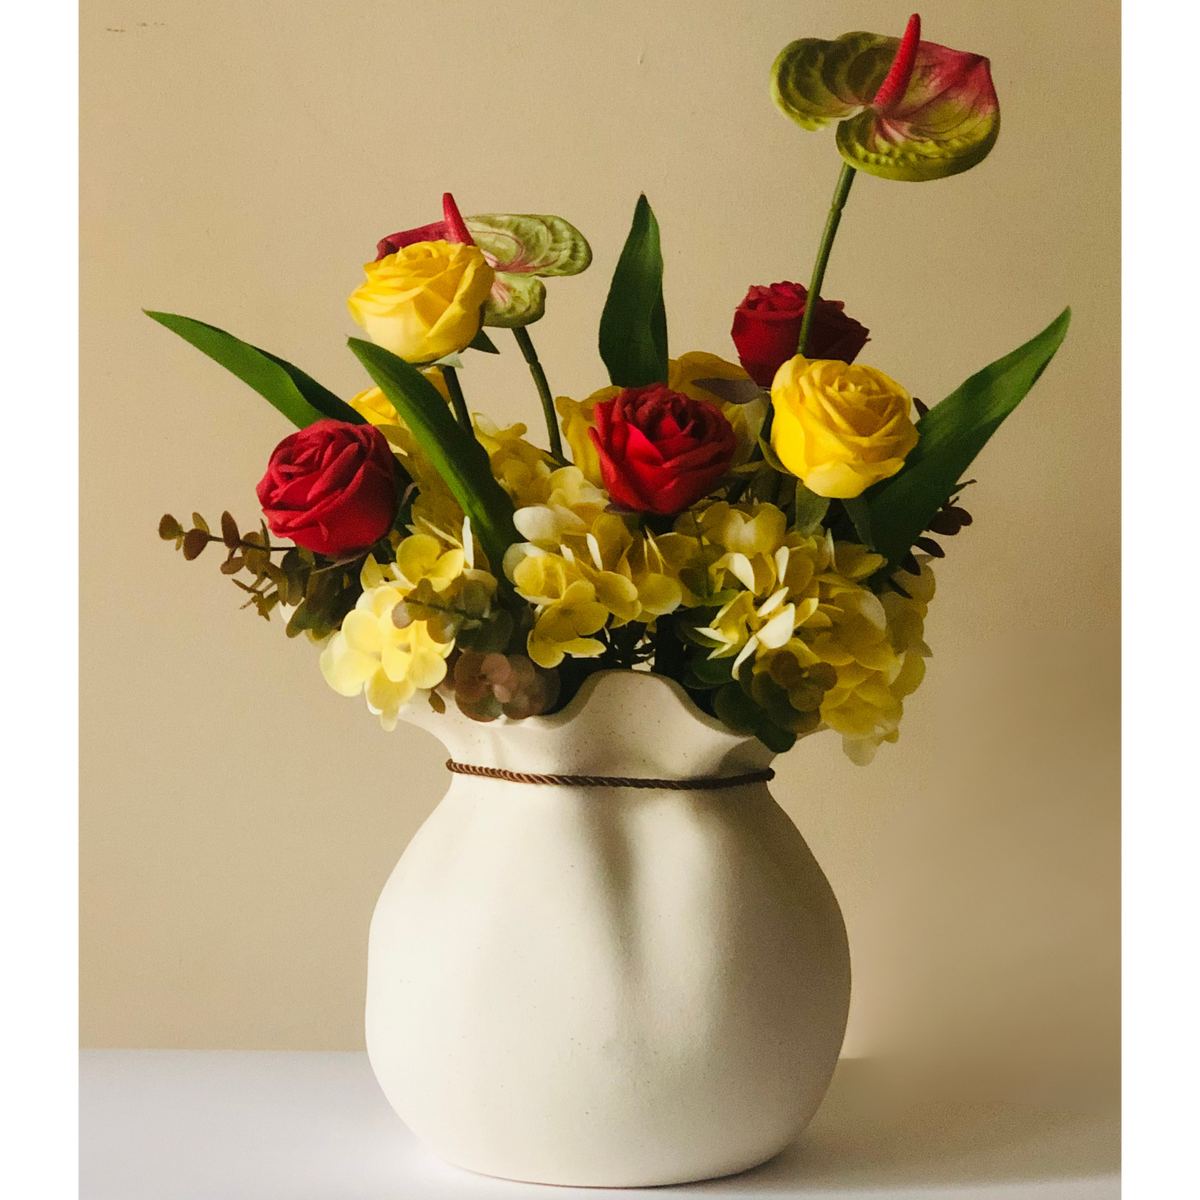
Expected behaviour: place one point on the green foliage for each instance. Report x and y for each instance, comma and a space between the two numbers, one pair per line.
952, 434
743, 715
455, 454
810, 510
481, 341
298, 396
633, 326
859, 512
323, 589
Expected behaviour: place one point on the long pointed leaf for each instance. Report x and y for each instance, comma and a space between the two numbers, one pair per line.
460, 460
298, 396
633, 326
952, 434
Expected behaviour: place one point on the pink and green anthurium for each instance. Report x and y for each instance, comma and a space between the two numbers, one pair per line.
906, 109
519, 246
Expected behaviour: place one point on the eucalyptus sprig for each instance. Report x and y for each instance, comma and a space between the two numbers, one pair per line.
322, 590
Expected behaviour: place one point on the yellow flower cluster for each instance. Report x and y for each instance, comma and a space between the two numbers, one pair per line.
390, 663
583, 568
822, 649
798, 612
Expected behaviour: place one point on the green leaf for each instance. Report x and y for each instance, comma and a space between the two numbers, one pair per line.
859, 511
455, 454
229, 530
771, 458
633, 326
810, 510
952, 434
482, 342
169, 528
709, 672
194, 543
945, 121
743, 715
298, 396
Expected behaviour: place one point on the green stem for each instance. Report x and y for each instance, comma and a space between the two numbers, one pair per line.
457, 399
543, 389
845, 179
840, 192
670, 656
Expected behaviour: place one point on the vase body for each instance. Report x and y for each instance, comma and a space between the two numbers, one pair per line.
606, 986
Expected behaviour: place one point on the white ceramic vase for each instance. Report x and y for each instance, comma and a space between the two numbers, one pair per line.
596, 986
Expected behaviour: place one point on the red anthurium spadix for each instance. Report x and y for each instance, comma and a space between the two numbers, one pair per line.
452, 228
906, 109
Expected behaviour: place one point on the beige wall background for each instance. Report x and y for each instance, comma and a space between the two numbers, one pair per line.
240, 161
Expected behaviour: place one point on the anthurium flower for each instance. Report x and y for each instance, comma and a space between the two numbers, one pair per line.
522, 248
907, 109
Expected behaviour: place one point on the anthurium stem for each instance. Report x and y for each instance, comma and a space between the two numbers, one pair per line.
845, 179
840, 192
457, 399
543, 389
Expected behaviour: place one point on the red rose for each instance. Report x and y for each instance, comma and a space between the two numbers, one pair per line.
331, 487
660, 451
766, 330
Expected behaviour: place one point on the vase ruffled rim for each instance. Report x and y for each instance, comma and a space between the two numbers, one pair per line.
654, 717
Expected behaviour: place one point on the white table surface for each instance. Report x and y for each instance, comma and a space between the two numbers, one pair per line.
301, 1125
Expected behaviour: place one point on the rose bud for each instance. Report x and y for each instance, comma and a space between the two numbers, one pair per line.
332, 487
766, 330
660, 451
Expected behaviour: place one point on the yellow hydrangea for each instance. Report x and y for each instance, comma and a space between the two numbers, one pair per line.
520, 467
369, 654
879, 655
801, 616
627, 572
568, 612
392, 664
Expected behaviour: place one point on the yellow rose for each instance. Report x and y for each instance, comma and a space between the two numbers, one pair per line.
425, 301
839, 428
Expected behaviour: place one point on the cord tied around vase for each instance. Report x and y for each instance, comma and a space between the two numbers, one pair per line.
700, 783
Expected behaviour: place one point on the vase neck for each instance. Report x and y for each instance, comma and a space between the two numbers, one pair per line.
622, 723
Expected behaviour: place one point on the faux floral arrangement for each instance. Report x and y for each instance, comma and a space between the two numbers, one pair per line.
759, 533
